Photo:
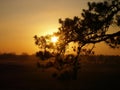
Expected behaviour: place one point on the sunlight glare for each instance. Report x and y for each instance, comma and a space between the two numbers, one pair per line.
54, 39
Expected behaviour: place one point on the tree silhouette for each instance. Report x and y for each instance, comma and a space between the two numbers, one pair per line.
93, 27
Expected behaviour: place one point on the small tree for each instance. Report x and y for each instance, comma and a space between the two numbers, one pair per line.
93, 27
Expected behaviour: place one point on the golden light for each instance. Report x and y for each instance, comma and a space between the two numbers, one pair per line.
54, 39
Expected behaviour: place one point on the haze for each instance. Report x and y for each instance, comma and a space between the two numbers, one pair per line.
20, 20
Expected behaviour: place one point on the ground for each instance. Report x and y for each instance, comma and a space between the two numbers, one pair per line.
23, 74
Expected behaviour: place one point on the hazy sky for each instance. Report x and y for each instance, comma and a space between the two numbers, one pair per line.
20, 20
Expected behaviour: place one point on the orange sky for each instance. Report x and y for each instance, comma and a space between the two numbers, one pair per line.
20, 20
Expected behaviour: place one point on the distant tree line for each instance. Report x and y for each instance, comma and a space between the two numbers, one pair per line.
12, 56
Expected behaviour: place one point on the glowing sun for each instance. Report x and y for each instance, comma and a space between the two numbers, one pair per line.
54, 39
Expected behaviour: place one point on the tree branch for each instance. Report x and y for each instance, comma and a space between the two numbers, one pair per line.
103, 38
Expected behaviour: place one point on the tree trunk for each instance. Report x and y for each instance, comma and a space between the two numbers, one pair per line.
76, 65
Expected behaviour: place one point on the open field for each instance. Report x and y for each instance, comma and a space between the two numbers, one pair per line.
23, 74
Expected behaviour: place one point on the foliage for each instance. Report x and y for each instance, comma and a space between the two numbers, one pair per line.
93, 27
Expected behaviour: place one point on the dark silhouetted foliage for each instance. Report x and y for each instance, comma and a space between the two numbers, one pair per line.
93, 27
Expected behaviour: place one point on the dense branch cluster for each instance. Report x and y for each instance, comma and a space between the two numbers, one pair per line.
93, 27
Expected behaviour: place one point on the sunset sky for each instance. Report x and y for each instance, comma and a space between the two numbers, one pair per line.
20, 20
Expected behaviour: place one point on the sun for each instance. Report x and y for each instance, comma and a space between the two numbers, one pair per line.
54, 39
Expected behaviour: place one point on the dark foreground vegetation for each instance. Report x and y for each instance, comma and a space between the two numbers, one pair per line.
20, 72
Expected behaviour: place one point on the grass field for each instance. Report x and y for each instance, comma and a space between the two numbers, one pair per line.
23, 74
